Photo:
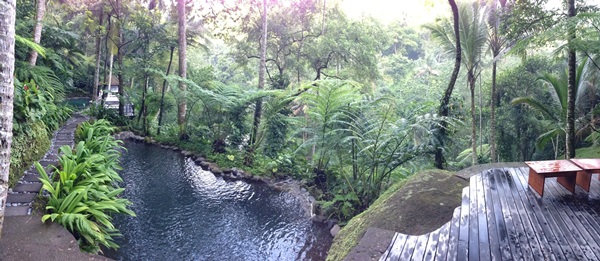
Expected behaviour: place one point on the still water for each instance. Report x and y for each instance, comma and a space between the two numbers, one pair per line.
186, 213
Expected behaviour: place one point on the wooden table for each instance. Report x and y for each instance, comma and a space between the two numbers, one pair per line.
564, 171
589, 166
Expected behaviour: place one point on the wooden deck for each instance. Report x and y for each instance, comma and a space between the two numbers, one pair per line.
501, 218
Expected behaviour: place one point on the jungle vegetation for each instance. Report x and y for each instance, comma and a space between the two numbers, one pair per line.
299, 89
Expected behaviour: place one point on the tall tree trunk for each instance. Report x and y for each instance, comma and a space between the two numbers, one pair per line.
7, 66
107, 60
143, 105
162, 95
493, 113
120, 50
495, 45
98, 57
443, 111
261, 74
181, 108
249, 157
471, 79
110, 69
121, 79
37, 29
572, 92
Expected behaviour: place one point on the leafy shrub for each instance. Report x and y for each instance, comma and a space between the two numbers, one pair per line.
357, 141
91, 129
32, 104
84, 190
111, 115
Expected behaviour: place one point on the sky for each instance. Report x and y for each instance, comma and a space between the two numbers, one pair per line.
417, 12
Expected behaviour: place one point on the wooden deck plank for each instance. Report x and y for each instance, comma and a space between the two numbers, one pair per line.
387, 252
592, 201
527, 241
484, 245
502, 218
578, 231
432, 243
545, 238
560, 248
420, 247
580, 248
588, 215
518, 241
454, 232
533, 232
509, 251
397, 247
409, 248
491, 221
473, 251
442, 247
463, 235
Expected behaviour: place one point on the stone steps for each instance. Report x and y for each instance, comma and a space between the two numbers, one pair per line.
22, 195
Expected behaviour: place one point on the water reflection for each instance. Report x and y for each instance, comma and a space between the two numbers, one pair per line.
186, 213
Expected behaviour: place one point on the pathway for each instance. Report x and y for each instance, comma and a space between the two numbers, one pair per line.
22, 195
501, 218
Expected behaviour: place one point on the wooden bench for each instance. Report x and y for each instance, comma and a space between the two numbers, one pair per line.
565, 172
588, 166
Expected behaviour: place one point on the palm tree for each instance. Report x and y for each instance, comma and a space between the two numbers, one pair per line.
7, 66
496, 44
443, 110
473, 36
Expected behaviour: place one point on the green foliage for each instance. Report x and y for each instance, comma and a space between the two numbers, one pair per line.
83, 191
465, 157
359, 141
344, 204
89, 129
26, 148
111, 115
32, 103
555, 112
518, 126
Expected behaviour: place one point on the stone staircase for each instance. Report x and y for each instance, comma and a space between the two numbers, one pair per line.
21, 196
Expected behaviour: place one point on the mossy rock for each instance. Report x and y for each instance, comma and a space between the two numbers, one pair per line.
27, 148
416, 206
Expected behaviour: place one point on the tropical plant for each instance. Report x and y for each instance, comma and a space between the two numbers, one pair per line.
555, 112
473, 37
466, 155
357, 142
32, 103
83, 192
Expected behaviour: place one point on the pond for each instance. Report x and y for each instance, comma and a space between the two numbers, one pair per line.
78, 103
186, 213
